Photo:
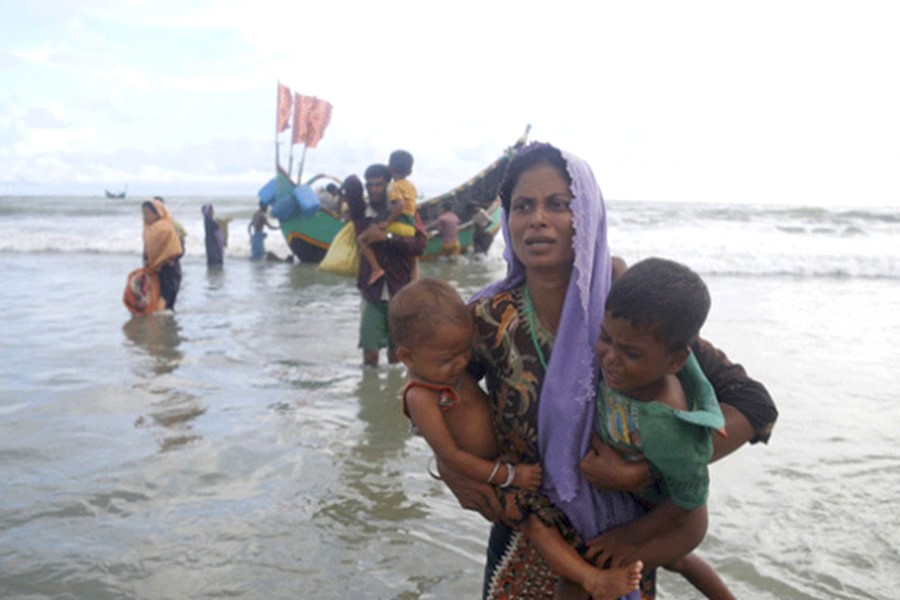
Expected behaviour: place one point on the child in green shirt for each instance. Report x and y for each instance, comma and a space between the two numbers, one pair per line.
653, 402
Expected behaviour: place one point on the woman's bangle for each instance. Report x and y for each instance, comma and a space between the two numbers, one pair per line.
431, 460
493, 472
511, 470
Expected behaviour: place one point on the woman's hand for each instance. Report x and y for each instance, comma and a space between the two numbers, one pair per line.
605, 469
658, 538
471, 494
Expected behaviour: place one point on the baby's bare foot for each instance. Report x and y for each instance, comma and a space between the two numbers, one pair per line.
609, 584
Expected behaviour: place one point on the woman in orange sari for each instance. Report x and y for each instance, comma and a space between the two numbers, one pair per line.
162, 250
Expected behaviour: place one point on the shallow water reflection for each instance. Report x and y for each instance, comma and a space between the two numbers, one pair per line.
386, 429
159, 336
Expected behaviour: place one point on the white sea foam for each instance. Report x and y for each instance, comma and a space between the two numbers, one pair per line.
712, 238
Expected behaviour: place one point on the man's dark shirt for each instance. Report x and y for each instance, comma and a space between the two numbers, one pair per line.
395, 256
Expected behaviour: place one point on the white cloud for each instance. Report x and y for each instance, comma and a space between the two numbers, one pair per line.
787, 101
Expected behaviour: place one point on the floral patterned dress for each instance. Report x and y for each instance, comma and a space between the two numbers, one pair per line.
505, 355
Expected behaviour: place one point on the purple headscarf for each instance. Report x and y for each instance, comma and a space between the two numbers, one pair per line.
566, 411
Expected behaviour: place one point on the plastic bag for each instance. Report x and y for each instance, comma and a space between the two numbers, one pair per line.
141, 295
307, 200
342, 257
267, 192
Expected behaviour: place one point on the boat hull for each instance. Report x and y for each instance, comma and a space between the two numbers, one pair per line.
310, 237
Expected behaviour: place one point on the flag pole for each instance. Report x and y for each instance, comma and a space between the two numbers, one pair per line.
277, 103
300, 169
291, 160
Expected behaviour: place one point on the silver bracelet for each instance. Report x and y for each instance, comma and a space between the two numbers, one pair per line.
512, 475
431, 460
494, 472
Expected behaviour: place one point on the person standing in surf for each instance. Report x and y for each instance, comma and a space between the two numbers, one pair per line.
162, 250
402, 218
257, 230
396, 254
215, 237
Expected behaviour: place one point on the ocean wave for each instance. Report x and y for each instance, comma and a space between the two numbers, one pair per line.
801, 273
661, 212
706, 263
744, 240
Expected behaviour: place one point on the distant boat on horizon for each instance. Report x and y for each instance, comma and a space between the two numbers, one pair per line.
121, 194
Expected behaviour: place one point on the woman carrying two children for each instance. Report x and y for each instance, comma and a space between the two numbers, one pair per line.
534, 346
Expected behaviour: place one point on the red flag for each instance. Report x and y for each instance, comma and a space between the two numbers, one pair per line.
302, 105
283, 116
311, 117
318, 120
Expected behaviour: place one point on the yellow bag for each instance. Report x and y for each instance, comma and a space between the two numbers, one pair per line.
342, 257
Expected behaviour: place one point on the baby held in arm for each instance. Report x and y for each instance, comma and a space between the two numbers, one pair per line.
433, 331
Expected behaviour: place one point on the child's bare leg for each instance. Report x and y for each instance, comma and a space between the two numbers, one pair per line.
564, 560
367, 253
702, 576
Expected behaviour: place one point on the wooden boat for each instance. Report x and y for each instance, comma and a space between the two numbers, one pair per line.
475, 202
309, 226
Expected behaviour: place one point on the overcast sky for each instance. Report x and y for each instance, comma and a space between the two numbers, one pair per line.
776, 102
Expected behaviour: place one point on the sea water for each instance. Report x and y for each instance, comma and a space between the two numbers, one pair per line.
236, 448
